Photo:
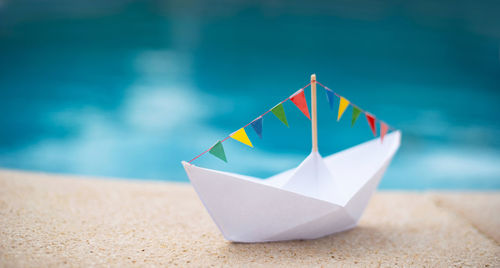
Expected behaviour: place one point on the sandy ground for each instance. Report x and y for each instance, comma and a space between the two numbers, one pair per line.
49, 220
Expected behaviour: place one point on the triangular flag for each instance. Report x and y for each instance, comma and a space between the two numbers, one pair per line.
342, 106
257, 126
218, 151
299, 99
355, 113
331, 97
279, 112
371, 122
383, 130
241, 136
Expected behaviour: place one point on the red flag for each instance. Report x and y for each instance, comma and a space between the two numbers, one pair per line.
371, 122
299, 99
383, 130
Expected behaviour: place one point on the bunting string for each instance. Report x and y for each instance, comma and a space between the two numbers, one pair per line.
329, 90
298, 98
257, 118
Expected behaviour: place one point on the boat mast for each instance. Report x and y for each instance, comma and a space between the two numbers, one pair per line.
314, 123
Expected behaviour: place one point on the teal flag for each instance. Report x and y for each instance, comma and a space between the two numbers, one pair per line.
279, 112
218, 151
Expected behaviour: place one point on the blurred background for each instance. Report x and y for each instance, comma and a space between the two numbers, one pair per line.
130, 88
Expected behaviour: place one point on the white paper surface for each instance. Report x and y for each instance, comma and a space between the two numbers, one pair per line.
319, 197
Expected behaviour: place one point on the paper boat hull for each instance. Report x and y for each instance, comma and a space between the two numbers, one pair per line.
248, 209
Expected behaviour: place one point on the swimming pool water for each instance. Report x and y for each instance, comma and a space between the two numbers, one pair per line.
129, 90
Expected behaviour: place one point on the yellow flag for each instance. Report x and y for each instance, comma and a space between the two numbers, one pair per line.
242, 137
342, 106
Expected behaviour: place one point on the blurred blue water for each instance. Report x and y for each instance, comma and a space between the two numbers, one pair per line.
129, 89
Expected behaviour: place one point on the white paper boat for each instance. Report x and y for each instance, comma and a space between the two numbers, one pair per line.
320, 197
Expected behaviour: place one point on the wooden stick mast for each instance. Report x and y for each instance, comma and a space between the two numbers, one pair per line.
314, 122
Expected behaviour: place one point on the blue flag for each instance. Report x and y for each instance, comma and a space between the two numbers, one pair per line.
257, 126
331, 97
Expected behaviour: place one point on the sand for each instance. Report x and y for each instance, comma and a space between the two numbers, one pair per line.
54, 220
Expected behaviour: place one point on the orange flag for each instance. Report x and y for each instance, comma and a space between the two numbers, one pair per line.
383, 130
299, 99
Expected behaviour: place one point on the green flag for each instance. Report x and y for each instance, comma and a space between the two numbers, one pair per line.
279, 112
218, 151
355, 113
